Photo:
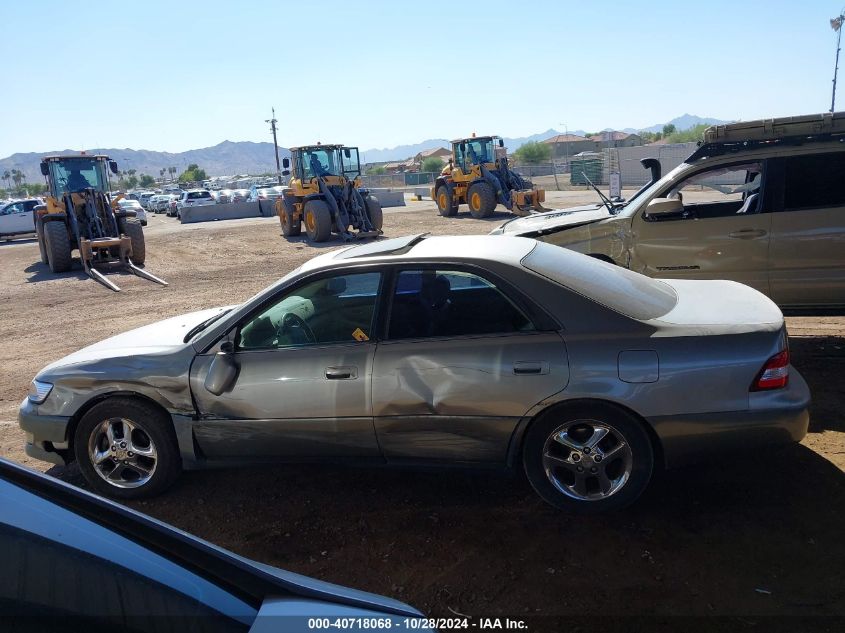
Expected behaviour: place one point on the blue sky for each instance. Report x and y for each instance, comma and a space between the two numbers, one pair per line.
172, 76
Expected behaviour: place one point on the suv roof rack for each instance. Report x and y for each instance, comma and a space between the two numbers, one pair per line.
748, 135
768, 129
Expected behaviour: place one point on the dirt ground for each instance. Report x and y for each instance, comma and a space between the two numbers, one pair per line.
752, 541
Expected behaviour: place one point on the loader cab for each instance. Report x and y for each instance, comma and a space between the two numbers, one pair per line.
351, 162
66, 174
316, 161
478, 150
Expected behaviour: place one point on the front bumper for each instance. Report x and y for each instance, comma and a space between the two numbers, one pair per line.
46, 435
774, 417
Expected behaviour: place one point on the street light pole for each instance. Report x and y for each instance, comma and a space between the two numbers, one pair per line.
272, 122
836, 25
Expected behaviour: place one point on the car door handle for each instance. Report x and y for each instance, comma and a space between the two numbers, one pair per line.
524, 367
341, 373
747, 234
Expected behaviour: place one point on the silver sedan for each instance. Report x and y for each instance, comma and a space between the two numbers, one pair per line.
473, 351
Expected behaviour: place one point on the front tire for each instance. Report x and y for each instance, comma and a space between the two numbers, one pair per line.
588, 458
375, 212
291, 227
131, 228
57, 244
445, 202
126, 449
318, 220
481, 200
42, 249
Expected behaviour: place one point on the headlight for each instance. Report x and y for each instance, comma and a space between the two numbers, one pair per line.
38, 391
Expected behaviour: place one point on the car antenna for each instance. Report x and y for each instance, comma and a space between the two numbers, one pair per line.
605, 200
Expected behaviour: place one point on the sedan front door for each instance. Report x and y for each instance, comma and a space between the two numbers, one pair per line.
303, 384
461, 365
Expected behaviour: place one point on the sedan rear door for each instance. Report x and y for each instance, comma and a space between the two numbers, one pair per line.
460, 366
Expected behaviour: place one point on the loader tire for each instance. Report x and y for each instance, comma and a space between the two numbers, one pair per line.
57, 244
481, 200
445, 203
39, 232
291, 227
318, 220
131, 228
375, 212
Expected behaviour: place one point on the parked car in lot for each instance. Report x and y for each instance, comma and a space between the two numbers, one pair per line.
222, 196
194, 198
17, 217
144, 198
484, 351
263, 192
172, 206
760, 202
239, 195
134, 205
76, 562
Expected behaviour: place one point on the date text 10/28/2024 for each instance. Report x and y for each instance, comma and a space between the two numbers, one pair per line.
417, 624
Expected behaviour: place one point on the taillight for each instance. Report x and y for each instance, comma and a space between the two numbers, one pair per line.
775, 373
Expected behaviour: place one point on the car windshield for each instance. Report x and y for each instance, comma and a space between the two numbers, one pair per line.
614, 287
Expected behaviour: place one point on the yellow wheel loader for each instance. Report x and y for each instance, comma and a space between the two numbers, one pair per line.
80, 213
325, 194
478, 175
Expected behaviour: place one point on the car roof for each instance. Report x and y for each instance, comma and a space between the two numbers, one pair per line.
422, 246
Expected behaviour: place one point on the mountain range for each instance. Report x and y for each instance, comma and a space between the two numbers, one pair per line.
245, 157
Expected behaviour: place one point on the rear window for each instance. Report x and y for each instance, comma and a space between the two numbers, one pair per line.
195, 195
614, 287
815, 181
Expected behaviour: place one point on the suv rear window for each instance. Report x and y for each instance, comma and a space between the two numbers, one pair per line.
814, 181
614, 287
195, 195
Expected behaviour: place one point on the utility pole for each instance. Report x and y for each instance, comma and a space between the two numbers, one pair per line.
272, 122
836, 25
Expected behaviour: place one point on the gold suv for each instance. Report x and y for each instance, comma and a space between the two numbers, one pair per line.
760, 202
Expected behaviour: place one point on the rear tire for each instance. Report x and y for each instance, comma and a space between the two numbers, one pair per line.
445, 204
375, 212
572, 474
318, 220
131, 228
57, 244
151, 434
481, 200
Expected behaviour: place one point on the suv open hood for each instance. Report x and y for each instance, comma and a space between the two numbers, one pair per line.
540, 223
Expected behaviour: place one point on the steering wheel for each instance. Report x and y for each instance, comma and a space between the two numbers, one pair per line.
293, 321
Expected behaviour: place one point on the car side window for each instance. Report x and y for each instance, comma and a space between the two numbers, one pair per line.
720, 192
429, 303
336, 309
12, 208
814, 181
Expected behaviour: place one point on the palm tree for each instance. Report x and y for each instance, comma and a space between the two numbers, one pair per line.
17, 176
8, 177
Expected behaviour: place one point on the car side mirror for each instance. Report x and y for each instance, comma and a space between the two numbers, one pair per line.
44, 169
223, 370
663, 207
286, 163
